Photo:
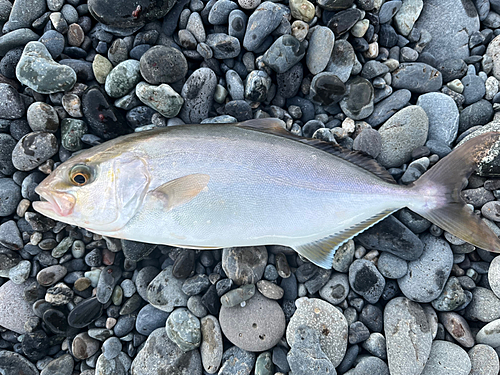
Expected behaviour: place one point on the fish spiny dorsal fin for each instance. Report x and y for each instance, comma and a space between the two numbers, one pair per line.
362, 160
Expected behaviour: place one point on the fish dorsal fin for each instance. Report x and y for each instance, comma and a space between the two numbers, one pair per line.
322, 251
362, 160
181, 190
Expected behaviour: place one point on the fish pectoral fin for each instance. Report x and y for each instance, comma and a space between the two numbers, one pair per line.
181, 190
322, 251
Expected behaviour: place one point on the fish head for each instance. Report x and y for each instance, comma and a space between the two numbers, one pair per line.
98, 191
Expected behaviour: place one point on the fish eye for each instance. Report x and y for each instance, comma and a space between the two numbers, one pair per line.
80, 175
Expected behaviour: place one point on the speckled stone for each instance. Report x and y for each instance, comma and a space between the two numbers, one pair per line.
408, 337
183, 328
256, 325
161, 98
401, 134
484, 360
165, 291
329, 322
37, 70
244, 265
211, 348
14, 309
447, 358
123, 78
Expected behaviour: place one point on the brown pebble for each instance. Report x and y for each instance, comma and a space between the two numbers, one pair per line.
82, 283
75, 35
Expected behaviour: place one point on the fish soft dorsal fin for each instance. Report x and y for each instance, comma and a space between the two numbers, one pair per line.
181, 190
322, 251
276, 127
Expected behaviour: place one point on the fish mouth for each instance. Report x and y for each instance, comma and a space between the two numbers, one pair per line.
61, 204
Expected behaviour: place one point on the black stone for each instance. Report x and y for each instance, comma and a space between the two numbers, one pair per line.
184, 264
342, 22
104, 120
211, 301
239, 109
140, 116
85, 313
56, 321
35, 345
327, 89
392, 236
289, 82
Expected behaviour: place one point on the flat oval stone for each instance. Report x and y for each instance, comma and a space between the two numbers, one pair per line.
427, 275
85, 313
330, 324
123, 78
401, 134
407, 15
458, 328
37, 70
162, 98
320, 49
211, 348
256, 326
461, 21
417, 77
447, 358
62, 365
34, 149
484, 360
490, 334
485, 306
336, 289
408, 337
344, 20
16, 38
84, 346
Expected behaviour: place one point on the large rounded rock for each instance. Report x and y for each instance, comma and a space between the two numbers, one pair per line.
244, 265
427, 275
37, 70
160, 355
330, 324
461, 20
12, 364
123, 78
129, 14
163, 64
408, 337
255, 325
401, 134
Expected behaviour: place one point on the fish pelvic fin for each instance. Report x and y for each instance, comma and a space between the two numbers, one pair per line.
322, 251
440, 188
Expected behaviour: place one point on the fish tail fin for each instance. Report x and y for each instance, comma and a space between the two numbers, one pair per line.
440, 189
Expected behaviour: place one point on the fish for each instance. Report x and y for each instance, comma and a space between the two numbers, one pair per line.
253, 183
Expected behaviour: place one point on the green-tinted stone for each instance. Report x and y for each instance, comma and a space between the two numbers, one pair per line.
183, 328
161, 98
123, 78
101, 67
72, 131
62, 247
302, 10
264, 364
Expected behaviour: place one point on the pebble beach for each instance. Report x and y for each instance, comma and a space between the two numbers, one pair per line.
402, 81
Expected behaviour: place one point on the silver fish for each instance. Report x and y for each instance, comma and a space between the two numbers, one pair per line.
248, 184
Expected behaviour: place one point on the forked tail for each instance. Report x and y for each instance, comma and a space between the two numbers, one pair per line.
442, 185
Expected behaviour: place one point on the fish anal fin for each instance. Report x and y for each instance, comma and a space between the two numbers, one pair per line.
322, 251
362, 160
181, 190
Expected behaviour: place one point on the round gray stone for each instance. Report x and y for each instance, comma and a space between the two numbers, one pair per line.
244, 265
417, 77
256, 325
165, 291
484, 360
183, 328
490, 334
427, 275
401, 134
336, 289
447, 358
485, 306
391, 266
198, 92
366, 280
34, 149
42, 117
